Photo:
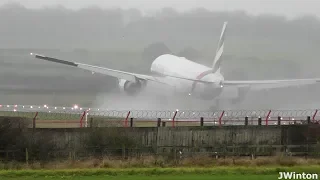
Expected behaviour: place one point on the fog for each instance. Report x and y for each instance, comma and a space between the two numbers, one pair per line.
289, 8
258, 46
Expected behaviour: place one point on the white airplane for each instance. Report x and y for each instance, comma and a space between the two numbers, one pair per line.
181, 76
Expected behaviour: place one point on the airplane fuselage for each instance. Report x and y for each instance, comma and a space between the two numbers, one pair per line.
170, 66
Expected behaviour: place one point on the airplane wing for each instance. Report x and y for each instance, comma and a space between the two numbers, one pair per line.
271, 84
132, 77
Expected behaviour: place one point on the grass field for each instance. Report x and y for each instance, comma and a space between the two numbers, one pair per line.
166, 177
263, 172
223, 173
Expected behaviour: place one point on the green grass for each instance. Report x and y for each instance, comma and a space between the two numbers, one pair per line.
162, 177
217, 171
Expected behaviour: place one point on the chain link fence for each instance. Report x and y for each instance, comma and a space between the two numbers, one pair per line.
76, 117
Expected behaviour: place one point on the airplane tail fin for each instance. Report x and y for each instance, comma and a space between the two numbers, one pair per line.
217, 58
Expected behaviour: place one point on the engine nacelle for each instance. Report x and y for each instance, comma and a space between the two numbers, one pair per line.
131, 88
208, 92
211, 93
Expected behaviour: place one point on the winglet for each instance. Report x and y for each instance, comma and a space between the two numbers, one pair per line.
219, 51
38, 56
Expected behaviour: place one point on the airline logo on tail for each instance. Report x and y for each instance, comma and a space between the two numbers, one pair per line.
217, 58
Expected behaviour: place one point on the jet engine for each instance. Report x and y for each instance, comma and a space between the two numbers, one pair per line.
131, 88
211, 92
208, 91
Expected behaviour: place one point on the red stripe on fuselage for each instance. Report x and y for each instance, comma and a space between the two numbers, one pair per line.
200, 76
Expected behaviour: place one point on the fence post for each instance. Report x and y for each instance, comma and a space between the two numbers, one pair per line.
279, 121
126, 120
220, 118
34, 121
267, 118
159, 122
81, 119
163, 124
201, 121
259, 121
91, 122
131, 122
174, 117
246, 121
86, 119
314, 116
308, 119
27, 157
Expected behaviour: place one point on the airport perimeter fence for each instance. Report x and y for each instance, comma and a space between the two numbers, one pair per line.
79, 117
56, 133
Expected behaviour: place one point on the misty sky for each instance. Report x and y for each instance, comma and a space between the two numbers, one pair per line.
289, 8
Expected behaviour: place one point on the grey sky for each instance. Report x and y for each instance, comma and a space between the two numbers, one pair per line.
289, 8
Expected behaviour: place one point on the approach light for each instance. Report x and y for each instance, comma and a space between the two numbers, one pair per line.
75, 106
